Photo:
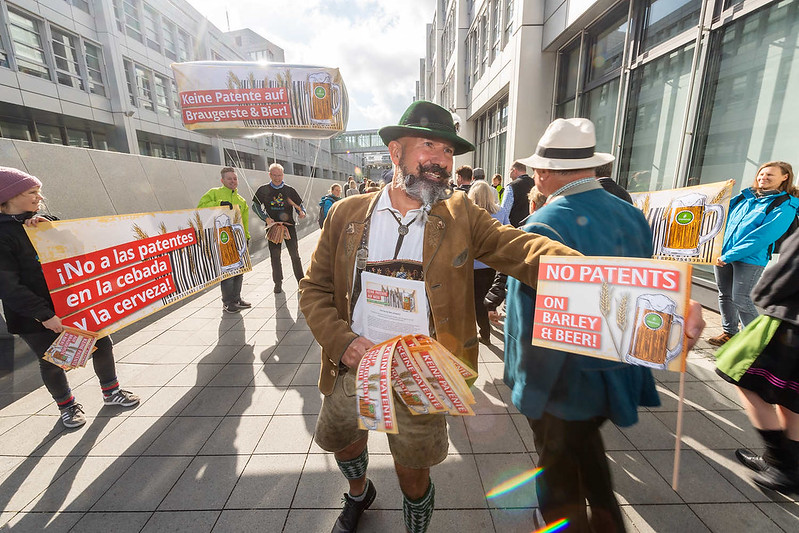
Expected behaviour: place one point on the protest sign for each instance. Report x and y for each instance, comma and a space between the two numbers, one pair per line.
687, 223
238, 98
105, 273
623, 309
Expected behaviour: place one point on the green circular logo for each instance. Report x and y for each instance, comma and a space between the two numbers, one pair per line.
320, 92
684, 217
223, 237
653, 320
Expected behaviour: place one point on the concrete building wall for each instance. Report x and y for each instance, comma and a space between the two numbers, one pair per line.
81, 183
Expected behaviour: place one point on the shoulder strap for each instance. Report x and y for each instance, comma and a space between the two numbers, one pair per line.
776, 202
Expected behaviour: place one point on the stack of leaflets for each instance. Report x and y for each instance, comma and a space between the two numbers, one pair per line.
71, 349
426, 377
277, 232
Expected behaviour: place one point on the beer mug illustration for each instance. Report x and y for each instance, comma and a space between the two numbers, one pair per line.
684, 225
321, 95
655, 317
232, 243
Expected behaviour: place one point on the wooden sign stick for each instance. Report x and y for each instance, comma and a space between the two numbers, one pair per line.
677, 445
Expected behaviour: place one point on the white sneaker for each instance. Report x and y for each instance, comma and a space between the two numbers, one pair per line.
72, 416
122, 398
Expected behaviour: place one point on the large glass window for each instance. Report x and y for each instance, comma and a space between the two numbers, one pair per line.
66, 58
567, 85
170, 50
508, 22
663, 19
94, 65
49, 134
496, 33
143, 91
653, 131
750, 102
26, 38
161, 94
607, 49
600, 107
484, 42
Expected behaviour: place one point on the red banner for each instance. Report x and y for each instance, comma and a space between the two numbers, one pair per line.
236, 112
263, 95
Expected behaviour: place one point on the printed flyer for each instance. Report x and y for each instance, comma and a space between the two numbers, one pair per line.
71, 349
236, 98
687, 223
423, 374
105, 273
623, 309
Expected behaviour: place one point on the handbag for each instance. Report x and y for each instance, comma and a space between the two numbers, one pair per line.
738, 353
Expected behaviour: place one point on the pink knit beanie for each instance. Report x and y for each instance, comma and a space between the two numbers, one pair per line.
14, 182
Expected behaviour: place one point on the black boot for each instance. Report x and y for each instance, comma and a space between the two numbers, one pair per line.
782, 458
772, 440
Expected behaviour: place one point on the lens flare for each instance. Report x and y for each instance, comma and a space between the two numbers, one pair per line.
513, 483
560, 525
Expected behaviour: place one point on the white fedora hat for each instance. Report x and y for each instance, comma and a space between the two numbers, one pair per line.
567, 144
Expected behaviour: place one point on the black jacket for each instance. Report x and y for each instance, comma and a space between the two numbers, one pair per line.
521, 205
777, 292
26, 299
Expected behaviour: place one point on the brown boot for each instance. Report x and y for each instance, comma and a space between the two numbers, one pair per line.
719, 340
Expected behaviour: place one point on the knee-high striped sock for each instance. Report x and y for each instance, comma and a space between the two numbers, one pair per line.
418, 513
355, 468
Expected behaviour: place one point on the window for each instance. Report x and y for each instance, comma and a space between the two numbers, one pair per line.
144, 92
79, 138
83, 5
749, 106
130, 79
27, 43
491, 136
663, 19
484, 42
600, 107
11, 129
66, 58
607, 50
161, 96
175, 98
94, 66
496, 34
169, 40
49, 134
3, 56
130, 19
508, 22
567, 81
658, 98
151, 28
184, 47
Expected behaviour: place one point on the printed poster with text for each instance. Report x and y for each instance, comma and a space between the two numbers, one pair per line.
687, 223
107, 272
623, 309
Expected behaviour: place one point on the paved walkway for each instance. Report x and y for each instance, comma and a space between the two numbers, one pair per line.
223, 441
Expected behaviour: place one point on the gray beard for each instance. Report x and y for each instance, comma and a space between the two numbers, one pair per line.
426, 191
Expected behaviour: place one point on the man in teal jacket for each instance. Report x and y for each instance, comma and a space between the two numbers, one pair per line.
227, 195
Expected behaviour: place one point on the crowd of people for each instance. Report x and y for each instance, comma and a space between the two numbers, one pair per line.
467, 244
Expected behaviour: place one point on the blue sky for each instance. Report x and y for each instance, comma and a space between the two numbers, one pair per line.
377, 44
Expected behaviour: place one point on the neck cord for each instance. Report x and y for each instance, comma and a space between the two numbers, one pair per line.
568, 186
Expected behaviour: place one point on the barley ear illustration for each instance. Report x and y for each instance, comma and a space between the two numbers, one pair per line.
621, 311
722, 193
139, 233
162, 229
604, 300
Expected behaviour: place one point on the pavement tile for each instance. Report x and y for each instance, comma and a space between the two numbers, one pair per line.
735, 517
736, 424
186, 435
276, 375
257, 401
206, 483
143, 485
81, 486
739, 476
213, 401
157, 354
524, 429
168, 401
785, 515
300, 401
306, 520
147, 375
29, 404
82, 441
488, 400
457, 484
132, 436
219, 353
613, 438
700, 429
268, 481
650, 433
251, 521
307, 374
32, 433
287, 434
657, 518
245, 356
195, 374
27, 479
496, 469
35, 522
235, 435
285, 353
458, 438
238, 375
96, 522
180, 522
515, 520
493, 434
635, 481
703, 485
704, 397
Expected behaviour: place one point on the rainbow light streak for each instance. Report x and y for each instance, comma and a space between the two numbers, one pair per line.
560, 525
513, 483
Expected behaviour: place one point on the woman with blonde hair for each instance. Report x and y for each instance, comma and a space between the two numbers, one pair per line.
757, 218
485, 196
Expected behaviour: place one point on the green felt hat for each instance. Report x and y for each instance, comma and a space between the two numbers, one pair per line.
426, 119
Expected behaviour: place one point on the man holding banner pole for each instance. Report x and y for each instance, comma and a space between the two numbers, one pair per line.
227, 195
567, 397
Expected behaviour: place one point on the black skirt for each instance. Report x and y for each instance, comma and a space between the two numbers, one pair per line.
774, 375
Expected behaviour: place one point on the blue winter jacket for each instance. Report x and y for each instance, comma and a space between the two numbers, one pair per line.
750, 230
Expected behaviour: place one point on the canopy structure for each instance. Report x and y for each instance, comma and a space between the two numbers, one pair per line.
243, 99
